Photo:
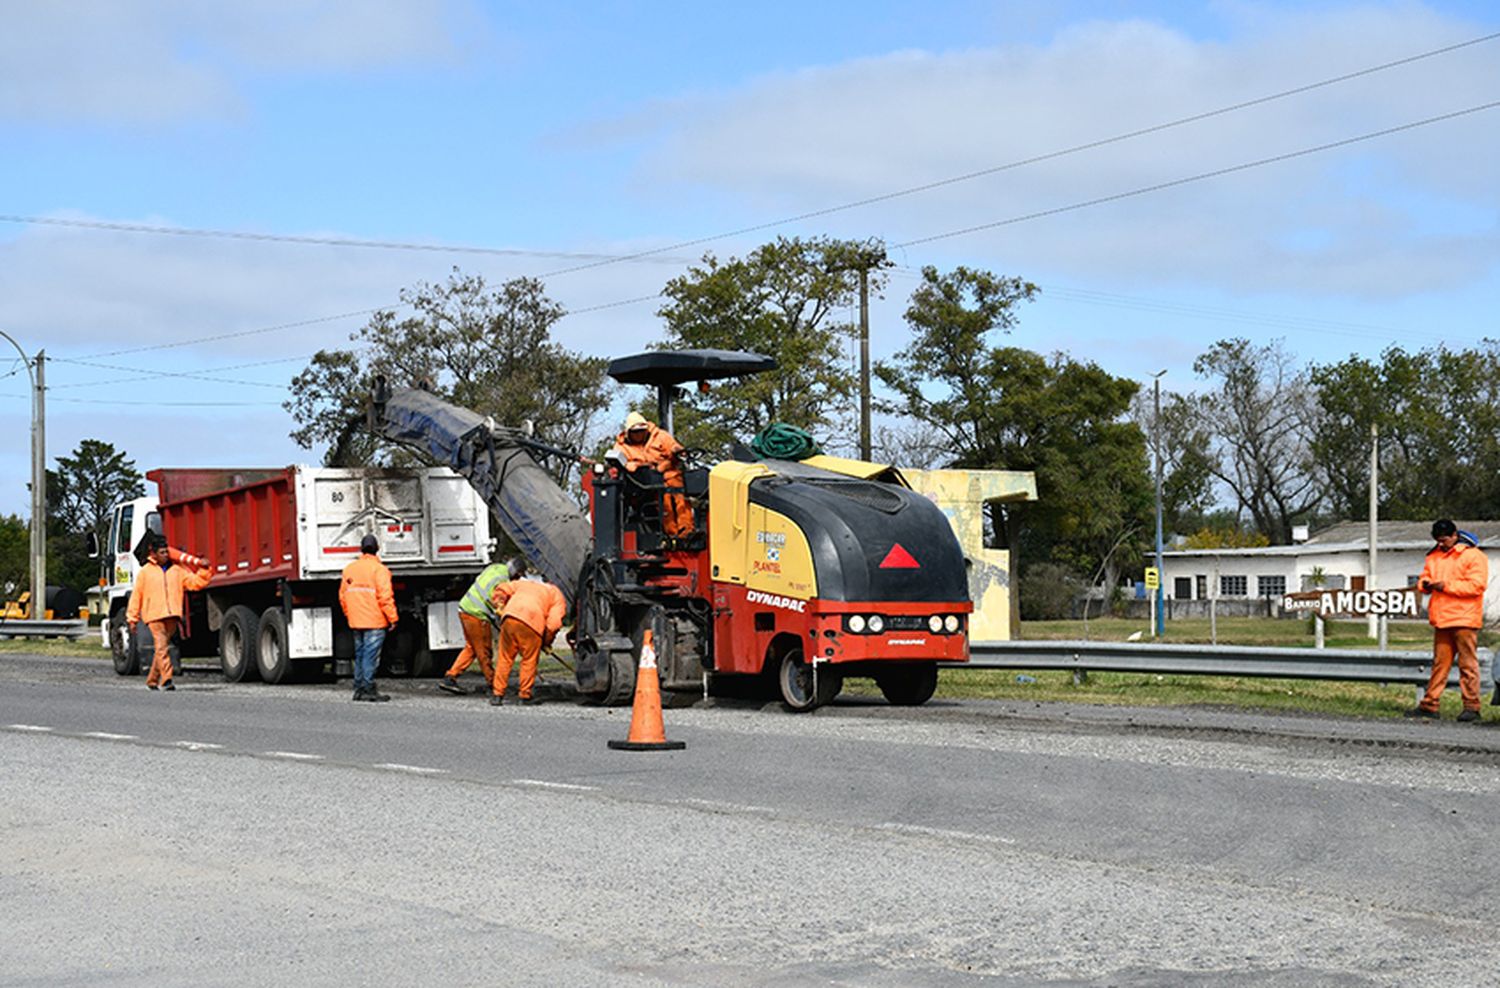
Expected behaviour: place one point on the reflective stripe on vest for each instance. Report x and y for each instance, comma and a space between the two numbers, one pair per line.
477, 601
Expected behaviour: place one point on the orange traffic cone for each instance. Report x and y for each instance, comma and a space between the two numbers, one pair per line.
646, 730
186, 558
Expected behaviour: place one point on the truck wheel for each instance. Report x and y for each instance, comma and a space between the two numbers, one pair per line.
798, 691
621, 680
271, 654
237, 638
908, 685
127, 659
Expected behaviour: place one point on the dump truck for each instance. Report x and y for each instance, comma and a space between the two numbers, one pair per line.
277, 540
796, 574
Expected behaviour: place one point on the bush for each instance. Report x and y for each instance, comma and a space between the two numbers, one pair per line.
1047, 591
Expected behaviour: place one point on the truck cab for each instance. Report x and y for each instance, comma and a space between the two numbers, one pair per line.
128, 524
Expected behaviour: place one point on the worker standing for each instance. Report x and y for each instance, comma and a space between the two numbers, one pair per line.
531, 616
1456, 574
369, 604
645, 444
477, 615
156, 598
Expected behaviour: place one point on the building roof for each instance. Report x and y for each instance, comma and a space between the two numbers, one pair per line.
1353, 536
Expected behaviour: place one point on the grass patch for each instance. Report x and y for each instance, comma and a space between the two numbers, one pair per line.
88, 648
1287, 633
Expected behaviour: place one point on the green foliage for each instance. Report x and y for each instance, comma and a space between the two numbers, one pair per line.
488, 350
782, 300
80, 494
15, 552
1438, 412
1225, 538
1047, 591
1187, 485
992, 407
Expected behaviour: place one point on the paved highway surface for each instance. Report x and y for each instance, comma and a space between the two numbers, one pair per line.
244, 834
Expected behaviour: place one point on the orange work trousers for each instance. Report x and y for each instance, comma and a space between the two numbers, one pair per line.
517, 638
1446, 642
161, 660
676, 515
477, 637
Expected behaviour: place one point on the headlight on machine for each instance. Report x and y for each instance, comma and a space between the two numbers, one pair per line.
857, 623
877, 624
952, 623
935, 623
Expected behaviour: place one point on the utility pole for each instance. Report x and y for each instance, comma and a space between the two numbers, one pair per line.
34, 370
864, 361
1161, 617
1374, 622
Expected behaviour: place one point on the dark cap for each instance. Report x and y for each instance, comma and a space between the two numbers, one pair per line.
369, 544
1443, 527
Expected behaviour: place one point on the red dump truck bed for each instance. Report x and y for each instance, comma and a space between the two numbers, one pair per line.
243, 521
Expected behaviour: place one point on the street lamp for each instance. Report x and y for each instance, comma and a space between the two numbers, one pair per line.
1161, 617
38, 482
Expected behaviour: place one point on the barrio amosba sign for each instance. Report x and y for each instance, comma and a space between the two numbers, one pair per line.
1355, 603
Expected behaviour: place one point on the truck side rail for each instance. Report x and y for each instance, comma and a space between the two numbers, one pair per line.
547, 525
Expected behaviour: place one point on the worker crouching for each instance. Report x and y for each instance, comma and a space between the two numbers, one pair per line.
531, 616
156, 598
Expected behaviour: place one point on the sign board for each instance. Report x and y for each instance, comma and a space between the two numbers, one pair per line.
1401, 602
1153, 578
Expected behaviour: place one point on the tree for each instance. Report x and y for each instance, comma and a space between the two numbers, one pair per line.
80, 495
995, 407
488, 350
15, 553
1438, 412
781, 300
1262, 416
1187, 485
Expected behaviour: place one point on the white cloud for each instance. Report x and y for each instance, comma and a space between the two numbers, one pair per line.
154, 62
1366, 221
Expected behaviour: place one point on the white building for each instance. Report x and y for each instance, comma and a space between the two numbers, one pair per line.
1339, 556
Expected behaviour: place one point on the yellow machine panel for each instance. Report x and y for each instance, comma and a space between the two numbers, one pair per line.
962, 495
751, 546
863, 470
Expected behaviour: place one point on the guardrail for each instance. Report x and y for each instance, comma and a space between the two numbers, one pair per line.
1359, 665
17, 628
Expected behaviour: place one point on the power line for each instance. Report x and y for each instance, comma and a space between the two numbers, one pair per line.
291, 238
149, 375
242, 333
161, 404
594, 260
1216, 173
1048, 156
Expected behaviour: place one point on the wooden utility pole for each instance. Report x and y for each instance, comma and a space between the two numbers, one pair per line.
864, 361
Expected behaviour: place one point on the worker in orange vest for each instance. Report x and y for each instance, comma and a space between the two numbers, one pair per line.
1456, 574
531, 616
643, 443
156, 598
369, 604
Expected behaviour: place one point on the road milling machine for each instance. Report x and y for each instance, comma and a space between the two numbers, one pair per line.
796, 574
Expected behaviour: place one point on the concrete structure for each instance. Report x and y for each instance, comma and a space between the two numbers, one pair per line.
963, 495
1341, 554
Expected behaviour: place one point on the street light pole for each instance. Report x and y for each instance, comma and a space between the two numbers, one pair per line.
38, 479
1161, 617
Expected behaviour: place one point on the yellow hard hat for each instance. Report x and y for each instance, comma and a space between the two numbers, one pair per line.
635, 420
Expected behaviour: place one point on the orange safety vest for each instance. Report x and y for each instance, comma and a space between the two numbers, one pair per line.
157, 593
1464, 573
659, 452
365, 594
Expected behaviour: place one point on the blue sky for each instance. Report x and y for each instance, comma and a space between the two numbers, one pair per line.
618, 127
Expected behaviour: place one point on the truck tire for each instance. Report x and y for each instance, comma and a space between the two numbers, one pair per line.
908, 685
272, 658
621, 688
127, 657
237, 640
796, 679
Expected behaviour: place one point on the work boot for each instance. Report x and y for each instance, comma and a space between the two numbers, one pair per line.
1468, 716
168, 686
528, 701
497, 699
150, 686
1421, 712
450, 685
378, 697
361, 695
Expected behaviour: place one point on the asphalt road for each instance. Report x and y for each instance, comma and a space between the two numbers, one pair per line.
243, 834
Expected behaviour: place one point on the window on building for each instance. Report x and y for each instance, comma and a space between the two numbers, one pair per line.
1182, 587
1201, 580
1330, 581
1233, 586
1270, 586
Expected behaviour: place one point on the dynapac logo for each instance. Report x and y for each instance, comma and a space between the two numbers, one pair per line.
772, 600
